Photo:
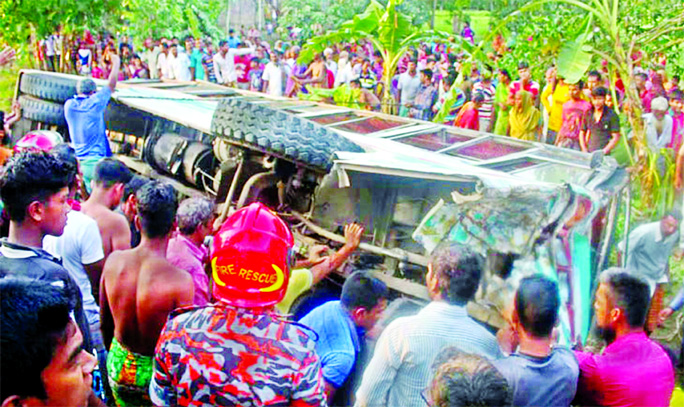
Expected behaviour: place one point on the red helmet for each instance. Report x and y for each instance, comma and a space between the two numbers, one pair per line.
251, 261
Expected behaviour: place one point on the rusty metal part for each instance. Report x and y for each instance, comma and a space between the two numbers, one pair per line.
398, 254
254, 180
229, 198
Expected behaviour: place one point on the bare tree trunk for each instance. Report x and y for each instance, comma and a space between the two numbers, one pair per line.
229, 10
34, 48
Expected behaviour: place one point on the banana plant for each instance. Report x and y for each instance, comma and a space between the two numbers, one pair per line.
390, 31
656, 175
618, 41
618, 47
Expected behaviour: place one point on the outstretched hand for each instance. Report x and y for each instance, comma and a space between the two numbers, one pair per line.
352, 234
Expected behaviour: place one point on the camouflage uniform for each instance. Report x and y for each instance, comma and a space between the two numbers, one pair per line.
224, 355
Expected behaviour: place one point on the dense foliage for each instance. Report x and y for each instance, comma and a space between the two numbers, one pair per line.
316, 17
172, 18
23, 18
386, 27
27, 20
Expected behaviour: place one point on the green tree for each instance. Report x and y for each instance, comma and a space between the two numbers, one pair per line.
315, 17
172, 18
324, 14
27, 21
22, 18
616, 29
615, 41
389, 30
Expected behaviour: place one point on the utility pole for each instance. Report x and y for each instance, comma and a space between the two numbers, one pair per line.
260, 14
228, 13
434, 11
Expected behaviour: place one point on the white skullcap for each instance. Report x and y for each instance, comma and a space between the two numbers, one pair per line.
660, 104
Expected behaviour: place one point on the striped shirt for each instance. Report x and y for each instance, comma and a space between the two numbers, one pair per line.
401, 367
487, 107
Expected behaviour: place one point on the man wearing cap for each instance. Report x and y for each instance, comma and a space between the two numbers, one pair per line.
239, 351
84, 115
329, 61
658, 125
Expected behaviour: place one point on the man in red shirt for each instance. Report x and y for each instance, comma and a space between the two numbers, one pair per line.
633, 370
640, 80
242, 68
574, 111
524, 83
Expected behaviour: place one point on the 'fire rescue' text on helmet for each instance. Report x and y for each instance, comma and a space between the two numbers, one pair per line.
250, 264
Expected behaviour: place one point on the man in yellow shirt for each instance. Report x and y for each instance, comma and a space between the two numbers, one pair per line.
553, 98
307, 273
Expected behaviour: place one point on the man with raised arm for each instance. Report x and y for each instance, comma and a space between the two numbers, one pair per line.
84, 115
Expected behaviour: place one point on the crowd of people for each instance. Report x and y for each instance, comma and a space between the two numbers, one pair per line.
112, 291
138, 321
582, 115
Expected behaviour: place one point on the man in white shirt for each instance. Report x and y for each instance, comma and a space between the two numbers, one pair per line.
345, 73
658, 125
401, 366
164, 70
150, 57
272, 77
224, 63
329, 61
408, 85
180, 65
80, 248
50, 52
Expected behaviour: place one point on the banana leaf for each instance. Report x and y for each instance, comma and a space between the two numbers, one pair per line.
574, 60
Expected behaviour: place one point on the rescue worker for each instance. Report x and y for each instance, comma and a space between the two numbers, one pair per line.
239, 350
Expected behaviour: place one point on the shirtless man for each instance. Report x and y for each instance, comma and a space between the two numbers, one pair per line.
138, 290
111, 177
318, 73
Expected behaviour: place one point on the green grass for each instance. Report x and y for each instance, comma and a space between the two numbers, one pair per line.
479, 22
8, 80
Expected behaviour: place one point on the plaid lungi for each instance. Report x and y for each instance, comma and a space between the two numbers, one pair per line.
655, 308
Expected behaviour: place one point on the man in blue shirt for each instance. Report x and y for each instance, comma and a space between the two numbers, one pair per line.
233, 40
84, 115
538, 372
341, 326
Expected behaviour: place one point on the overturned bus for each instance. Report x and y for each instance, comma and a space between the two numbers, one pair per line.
527, 207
